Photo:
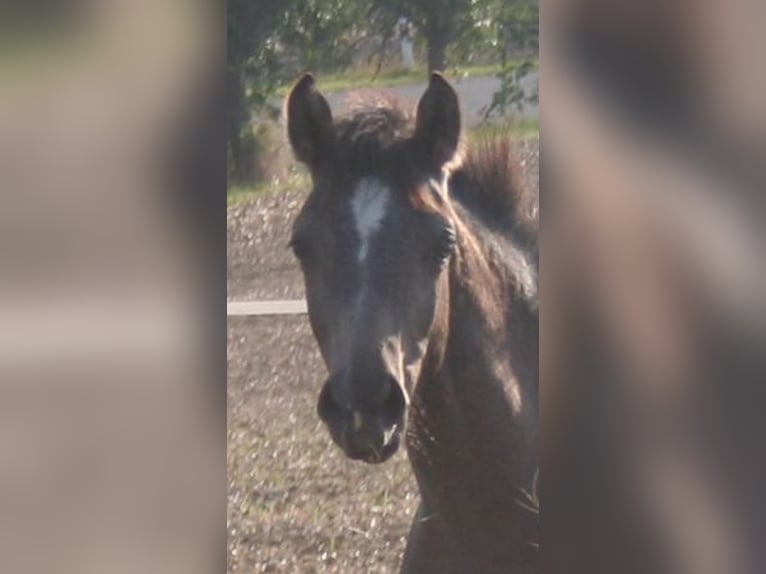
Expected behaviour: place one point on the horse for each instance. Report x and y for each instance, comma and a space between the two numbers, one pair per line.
420, 265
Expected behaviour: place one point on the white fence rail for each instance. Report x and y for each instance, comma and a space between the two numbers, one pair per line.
265, 308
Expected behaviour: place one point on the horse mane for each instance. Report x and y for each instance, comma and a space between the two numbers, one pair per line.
489, 183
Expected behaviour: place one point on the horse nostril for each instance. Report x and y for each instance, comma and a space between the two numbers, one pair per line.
388, 402
364, 420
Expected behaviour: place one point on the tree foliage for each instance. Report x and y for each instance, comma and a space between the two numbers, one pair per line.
518, 29
440, 22
252, 72
323, 35
269, 42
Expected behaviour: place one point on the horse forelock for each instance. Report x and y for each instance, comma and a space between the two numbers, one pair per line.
370, 129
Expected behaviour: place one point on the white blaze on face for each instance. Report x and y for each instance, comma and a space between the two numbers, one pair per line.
369, 204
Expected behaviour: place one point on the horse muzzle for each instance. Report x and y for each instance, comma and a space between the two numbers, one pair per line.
366, 431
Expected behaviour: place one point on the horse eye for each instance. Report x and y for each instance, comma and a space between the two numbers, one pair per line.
443, 247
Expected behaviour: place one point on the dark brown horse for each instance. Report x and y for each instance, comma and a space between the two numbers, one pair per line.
421, 280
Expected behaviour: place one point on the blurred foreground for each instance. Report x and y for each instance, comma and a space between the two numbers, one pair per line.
653, 312
112, 222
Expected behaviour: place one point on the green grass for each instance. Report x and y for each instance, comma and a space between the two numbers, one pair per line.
517, 129
365, 77
239, 193
526, 128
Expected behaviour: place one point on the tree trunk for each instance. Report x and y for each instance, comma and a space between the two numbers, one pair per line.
438, 32
437, 39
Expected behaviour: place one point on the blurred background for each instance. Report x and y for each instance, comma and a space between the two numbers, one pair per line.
112, 151
653, 269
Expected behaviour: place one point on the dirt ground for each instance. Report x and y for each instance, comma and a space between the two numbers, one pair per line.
295, 503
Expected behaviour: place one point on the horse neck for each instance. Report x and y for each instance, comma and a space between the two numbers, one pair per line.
478, 404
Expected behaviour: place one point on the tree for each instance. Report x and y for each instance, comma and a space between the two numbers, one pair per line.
440, 21
269, 42
518, 33
324, 34
252, 70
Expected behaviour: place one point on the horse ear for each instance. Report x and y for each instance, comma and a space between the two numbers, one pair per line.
437, 124
309, 122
